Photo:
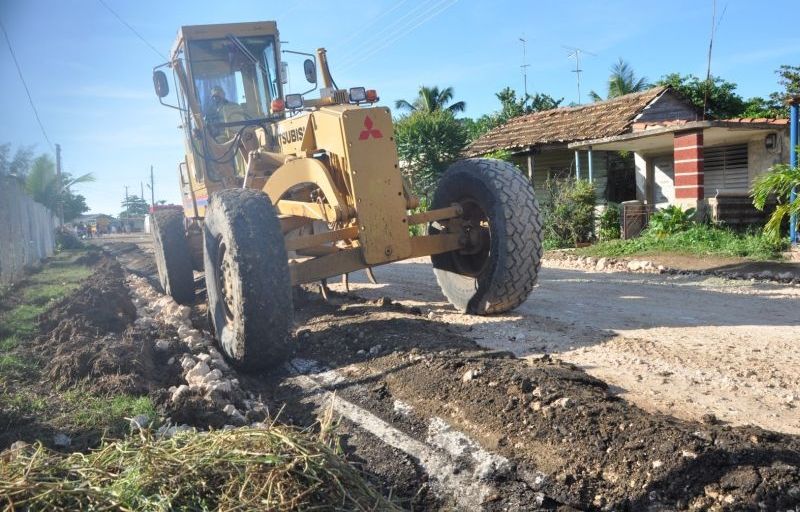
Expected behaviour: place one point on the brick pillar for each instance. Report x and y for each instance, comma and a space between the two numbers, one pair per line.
688, 154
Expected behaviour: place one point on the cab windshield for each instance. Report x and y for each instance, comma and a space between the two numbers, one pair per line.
221, 66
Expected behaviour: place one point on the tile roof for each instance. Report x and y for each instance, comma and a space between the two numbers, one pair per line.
566, 124
741, 121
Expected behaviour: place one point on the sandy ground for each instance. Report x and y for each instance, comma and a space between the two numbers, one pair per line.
687, 346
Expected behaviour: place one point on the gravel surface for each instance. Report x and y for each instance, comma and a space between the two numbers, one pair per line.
687, 346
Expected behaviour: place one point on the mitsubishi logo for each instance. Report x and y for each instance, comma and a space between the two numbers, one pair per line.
369, 131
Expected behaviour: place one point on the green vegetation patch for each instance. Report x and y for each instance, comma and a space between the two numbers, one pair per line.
84, 411
698, 240
58, 277
278, 468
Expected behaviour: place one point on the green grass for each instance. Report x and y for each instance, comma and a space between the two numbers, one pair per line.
58, 277
13, 366
87, 411
22, 403
698, 240
8, 343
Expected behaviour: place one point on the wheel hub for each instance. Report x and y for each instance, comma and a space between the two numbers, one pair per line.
476, 234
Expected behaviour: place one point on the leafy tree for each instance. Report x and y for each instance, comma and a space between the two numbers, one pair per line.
135, 206
723, 101
778, 182
775, 105
18, 164
510, 107
74, 205
42, 183
622, 81
431, 99
428, 142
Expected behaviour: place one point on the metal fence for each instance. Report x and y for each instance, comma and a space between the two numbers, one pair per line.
635, 216
27, 231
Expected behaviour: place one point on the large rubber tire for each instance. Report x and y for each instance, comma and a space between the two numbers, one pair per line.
500, 271
247, 279
173, 258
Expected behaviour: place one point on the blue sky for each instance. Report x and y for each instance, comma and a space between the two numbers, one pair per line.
91, 77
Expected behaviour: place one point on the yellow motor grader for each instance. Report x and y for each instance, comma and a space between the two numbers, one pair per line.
282, 189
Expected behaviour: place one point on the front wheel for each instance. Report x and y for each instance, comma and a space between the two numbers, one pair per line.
172, 255
498, 267
247, 279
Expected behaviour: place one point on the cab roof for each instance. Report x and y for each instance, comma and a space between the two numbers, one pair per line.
217, 31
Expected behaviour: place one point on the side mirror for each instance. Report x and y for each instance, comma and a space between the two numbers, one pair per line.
311, 70
160, 83
284, 73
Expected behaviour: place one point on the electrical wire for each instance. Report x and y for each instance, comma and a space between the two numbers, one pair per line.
410, 27
367, 27
398, 25
25, 85
135, 32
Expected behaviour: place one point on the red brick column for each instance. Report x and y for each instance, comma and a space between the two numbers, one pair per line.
688, 153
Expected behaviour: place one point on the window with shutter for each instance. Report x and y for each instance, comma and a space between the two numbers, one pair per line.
725, 169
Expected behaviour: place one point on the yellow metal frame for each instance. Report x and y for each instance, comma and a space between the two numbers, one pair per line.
334, 163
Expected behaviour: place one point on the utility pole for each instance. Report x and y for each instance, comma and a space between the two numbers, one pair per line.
575, 53
60, 183
127, 205
141, 190
524, 65
152, 188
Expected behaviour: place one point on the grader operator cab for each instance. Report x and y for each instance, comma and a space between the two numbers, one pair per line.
282, 189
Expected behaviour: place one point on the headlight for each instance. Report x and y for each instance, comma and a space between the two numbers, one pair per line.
294, 101
357, 94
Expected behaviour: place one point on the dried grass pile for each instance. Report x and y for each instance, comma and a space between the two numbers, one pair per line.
277, 468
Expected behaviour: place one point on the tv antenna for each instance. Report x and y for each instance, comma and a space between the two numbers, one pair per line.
525, 65
575, 53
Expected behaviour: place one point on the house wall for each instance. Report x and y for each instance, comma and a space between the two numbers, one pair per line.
561, 162
656, 184
760, 159
667, 107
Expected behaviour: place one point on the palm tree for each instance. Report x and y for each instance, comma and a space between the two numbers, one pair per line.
43, 185
778, 183
622, 81
431, 99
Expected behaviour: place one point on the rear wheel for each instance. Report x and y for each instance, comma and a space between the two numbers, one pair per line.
497, 269
172, 255
247, 279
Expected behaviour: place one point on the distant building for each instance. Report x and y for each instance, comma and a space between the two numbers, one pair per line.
675, 157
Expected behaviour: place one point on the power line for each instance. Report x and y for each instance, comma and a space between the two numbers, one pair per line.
395, 26
137, 34
25, 85
424, 18
368, 27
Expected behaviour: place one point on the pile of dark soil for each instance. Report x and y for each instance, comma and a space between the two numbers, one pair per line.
90, 344
90, 339
596, 451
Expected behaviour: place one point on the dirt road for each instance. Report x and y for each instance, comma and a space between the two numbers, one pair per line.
681, 345
441, 423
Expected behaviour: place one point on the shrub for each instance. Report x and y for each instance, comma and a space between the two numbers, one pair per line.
777, 183
568, 217
670, 220
609, 222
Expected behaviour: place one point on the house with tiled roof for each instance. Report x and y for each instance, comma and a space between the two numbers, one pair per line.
630, 147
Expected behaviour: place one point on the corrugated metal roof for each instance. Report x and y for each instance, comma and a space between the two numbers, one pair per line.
566, 124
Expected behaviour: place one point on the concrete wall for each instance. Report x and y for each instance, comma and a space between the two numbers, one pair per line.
27, 231
760, 159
